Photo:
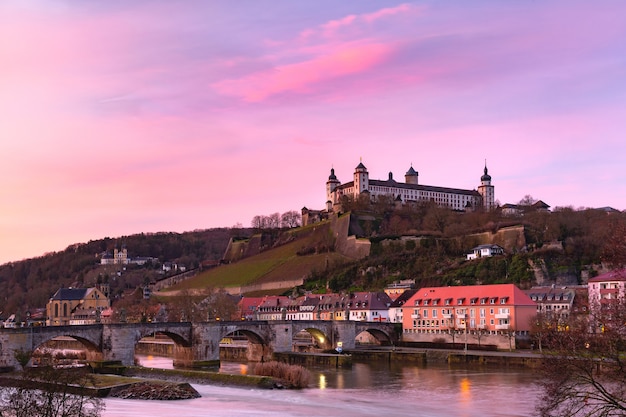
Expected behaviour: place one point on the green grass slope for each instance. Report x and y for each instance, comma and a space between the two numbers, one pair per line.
281, 263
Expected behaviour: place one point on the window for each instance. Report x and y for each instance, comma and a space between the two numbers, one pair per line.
434, 314
425, 314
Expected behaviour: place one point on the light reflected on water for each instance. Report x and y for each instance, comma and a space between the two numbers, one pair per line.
371, 389
322, 381
465, 391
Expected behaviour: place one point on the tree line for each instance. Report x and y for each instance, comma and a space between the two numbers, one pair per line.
276, 220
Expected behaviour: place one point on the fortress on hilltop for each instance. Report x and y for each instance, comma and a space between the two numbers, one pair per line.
408, 192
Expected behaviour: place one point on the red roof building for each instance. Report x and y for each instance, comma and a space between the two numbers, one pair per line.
474, 311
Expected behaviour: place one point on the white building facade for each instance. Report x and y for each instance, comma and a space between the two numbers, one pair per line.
409, 191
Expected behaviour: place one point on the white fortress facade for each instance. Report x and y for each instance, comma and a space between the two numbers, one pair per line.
409, 191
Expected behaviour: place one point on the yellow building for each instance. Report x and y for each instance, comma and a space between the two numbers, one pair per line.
67, 302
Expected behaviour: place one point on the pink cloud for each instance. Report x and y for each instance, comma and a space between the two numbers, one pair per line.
335, 24
358, 22
301, 76
389, 11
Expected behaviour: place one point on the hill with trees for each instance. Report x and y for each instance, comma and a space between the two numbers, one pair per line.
29, 284
423, 242
429, 244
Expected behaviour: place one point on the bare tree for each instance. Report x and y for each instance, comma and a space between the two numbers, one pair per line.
273, 221
584, 373
219, 306
259, 222
614, 251
51, 392
291, 219
528, 200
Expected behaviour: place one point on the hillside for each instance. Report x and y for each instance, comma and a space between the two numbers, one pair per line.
365, 251
294, 255
28, 284
563, 247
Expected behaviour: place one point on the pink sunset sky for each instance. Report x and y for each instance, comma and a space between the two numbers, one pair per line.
121, 117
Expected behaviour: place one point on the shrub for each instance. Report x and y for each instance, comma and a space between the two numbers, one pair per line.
297, 376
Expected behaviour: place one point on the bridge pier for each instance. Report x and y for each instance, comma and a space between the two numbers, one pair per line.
205, 350
344, 332
118, 343
12, 342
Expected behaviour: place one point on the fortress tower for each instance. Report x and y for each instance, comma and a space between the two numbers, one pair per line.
486, 190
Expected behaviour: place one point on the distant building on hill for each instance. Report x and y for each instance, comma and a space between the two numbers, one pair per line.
482, 251
407, 192
521, 209
120, 257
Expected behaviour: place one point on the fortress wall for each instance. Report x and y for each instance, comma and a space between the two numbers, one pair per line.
265, 286
346, 244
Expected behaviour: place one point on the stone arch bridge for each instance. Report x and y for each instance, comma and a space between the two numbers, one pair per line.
196, 343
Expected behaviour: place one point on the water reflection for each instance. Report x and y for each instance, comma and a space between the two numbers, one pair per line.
363, 390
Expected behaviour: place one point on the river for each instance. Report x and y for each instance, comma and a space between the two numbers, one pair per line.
364, 390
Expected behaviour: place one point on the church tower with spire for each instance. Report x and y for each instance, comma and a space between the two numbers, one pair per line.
331, 184
486, 191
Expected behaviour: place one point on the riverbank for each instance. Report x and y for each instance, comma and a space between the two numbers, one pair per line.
420, 356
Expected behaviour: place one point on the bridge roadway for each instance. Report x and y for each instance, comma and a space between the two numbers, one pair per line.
196, 343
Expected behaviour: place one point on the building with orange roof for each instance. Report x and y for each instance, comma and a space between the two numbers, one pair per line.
478, 314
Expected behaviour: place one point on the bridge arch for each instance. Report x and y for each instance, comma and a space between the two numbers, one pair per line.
377, 334
258, 348
321, 334
65, 349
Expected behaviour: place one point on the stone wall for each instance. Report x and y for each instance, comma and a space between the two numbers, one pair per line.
345, 243
501, 341
265, 286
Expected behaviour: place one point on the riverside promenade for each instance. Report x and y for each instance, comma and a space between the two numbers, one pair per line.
519, 358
